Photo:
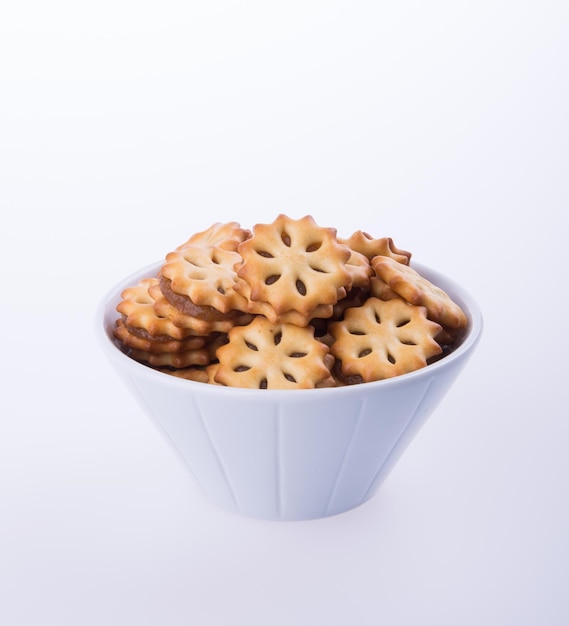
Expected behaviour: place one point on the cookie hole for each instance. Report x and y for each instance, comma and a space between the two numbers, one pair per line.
314, 246
301, 287
265, 254
391, 358
408, 343
286, 239
252, 346
297, 355
356, 332
190, 261
377, 318
277, 338
221, 290
317, 269
364, 352
271, 280
289, 377
403, 323
263, 384
241, 368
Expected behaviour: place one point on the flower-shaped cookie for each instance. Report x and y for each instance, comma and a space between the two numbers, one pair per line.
262, 355
205, 276
416, 289
137, 308
381, 339
294, 265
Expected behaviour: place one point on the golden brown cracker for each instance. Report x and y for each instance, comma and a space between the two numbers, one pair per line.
382, 339
418, 290
262, 355
294, 265
205, 276
137, 307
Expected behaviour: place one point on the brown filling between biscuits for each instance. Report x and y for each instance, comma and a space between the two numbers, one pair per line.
186, 306
142, 333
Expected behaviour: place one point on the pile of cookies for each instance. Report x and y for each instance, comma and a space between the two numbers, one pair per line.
286, 305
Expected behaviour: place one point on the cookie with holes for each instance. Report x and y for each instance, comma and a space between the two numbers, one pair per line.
323, 311
197, 320
293, 265
263, 355
384, 338
140, 317
416, 289
195, 276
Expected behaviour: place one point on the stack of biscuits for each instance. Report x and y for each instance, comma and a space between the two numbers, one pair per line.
286, 305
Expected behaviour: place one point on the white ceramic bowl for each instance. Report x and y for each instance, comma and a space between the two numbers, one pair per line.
290, 455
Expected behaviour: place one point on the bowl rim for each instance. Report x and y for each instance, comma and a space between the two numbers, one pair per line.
106, 308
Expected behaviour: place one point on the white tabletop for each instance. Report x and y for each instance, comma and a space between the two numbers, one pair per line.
125, 128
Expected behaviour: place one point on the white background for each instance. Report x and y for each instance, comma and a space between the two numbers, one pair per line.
127, 126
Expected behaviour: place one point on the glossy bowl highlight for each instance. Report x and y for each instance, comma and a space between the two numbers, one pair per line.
289, 455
